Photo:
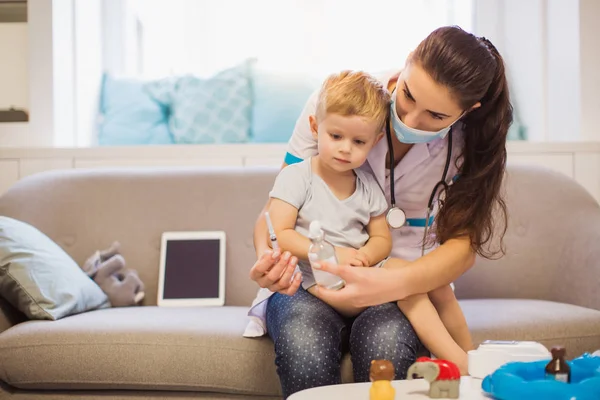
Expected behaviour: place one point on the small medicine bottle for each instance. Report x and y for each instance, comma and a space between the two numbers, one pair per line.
558, 369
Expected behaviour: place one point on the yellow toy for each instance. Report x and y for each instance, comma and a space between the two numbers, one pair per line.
382, 374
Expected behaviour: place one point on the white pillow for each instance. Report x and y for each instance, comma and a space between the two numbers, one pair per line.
39, 279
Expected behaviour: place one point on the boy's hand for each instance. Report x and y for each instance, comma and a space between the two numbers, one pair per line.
365, 259
350, 256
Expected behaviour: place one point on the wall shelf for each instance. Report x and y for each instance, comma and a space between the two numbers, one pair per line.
13, 11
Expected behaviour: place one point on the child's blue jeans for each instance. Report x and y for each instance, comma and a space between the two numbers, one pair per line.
310, 338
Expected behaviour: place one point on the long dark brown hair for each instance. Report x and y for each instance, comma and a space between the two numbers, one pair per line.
473, 71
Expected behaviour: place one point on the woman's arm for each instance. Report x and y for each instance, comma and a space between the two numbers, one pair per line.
379, 244
374, 286
438, 268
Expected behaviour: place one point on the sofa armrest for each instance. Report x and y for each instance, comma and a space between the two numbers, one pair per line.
9, 316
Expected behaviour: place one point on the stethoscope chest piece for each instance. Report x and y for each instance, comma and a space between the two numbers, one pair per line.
396, 218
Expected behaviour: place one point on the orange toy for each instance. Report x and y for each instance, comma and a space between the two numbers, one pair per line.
381, 374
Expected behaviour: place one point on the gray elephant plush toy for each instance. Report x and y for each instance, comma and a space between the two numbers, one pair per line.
107, 268
443, 377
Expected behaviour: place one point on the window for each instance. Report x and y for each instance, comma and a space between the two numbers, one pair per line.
308, 36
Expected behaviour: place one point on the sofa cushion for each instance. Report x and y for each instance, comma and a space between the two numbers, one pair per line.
216, 109
202, 349
143, 348
550, 323
129, 115
9, 315
278, 98
39, 278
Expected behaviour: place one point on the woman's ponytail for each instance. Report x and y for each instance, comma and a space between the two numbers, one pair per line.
473, 70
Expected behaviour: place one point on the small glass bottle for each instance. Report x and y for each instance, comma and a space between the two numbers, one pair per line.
558, 369
322, 250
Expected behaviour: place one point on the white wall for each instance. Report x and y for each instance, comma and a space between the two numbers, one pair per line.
41, 115
88, 69
120, 38
524, 30
589, 64
51, 83
563, 78
62, 24
14, 80
65, 70
551, 51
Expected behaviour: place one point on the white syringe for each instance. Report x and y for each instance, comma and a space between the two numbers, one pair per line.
272, 235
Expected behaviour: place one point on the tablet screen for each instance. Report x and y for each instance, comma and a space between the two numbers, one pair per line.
191, 269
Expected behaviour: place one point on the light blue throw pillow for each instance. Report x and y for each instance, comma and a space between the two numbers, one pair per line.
130, 116
39, 279
211, 110
278, 100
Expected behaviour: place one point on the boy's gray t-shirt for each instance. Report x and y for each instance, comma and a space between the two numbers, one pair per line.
344, 221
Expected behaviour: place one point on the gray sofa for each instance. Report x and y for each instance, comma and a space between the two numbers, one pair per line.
544, 289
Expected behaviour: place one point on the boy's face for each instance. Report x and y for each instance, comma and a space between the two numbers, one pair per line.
344, 141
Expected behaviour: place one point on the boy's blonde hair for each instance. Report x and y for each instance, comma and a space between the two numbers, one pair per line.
354, 93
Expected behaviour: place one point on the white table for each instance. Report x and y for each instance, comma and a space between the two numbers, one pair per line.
417, 389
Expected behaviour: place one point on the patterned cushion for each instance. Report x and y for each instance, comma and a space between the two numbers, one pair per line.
213, 110
129, 115
278, 100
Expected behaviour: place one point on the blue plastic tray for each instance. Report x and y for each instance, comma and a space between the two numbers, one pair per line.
525, 381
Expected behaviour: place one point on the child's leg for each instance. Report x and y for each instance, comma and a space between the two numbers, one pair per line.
428, 325
433, 334
447, 306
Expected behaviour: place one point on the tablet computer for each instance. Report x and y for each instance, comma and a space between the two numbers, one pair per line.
192, 269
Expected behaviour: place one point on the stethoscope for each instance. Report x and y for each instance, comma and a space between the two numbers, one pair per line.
396, 217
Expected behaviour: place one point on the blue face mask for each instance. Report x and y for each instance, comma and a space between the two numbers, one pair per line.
406, 134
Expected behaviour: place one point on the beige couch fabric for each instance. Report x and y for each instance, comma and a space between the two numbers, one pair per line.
199, 352
147, 348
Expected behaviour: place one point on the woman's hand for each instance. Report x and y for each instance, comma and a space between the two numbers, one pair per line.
364, 287
274, 271
351, 256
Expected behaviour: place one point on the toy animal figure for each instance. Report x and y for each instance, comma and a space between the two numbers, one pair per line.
122, 286
382, 374
443, 377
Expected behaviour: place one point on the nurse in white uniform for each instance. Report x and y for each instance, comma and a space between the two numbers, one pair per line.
449, 119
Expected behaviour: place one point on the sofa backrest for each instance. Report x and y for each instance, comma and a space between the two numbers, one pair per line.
552, 243
86, 210
549, 241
